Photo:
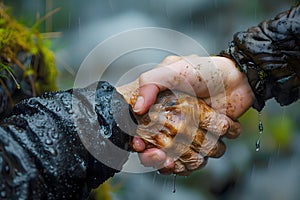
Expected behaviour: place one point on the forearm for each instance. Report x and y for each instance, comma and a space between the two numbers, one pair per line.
269, 55
44, 143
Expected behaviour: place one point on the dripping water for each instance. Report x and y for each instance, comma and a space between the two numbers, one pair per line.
260, 129
174, 183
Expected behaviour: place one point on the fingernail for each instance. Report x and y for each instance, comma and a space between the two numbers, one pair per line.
138, 145
139, 104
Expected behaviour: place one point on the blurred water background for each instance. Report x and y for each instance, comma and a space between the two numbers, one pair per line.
242, 173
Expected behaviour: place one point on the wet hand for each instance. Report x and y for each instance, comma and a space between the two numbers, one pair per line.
194, 75
215, 79
180, 132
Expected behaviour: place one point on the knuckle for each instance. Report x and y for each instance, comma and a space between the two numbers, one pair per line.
235, 131
179, 167
218, 150
225, 125
142, 77
171, 58
195, 162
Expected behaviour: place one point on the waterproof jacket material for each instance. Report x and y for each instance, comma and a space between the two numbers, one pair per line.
269, 54
63, 144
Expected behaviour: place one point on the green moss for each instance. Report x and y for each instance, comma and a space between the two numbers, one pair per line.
103, 192
10, 72
16, 38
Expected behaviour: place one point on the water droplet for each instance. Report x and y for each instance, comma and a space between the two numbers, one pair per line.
52, 151
40, 134
3, 194
51, 168
57, 109
260, 129
48, 142
174, 183
83, 164
55, 135
44, 103
6, 169
257, 145
104, 131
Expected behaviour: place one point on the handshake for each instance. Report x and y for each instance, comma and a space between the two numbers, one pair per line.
179, 130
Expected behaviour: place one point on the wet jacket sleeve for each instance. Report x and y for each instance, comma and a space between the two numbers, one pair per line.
269, 54
63, 144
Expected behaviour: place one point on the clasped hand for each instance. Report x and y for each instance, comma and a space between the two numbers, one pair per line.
178, 131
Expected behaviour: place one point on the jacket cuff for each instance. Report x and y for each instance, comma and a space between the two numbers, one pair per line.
257, 77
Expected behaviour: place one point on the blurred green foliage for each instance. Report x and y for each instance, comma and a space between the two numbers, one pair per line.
15, 38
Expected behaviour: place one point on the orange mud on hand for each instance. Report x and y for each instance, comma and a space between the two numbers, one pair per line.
185, 128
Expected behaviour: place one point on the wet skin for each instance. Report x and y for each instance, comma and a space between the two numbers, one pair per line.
184, 127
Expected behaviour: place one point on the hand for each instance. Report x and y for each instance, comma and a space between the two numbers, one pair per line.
184, 127
193, 74
215, 79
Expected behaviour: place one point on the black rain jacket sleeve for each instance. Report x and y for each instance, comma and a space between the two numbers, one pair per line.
63, 144
269, 54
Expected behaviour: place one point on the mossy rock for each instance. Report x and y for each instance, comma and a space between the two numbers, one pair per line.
27, 66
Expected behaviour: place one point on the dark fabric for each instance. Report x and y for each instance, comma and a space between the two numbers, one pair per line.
269, 54
45, 144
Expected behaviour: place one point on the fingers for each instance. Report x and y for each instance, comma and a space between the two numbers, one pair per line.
138, 144
150, 86
186, 129
153, 157
217, 123
192, 160
208, 144
234, 129
151, 83
186, 164
173, 73
147, 97
168, 166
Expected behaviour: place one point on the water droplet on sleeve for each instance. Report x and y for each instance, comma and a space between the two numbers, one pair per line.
105, 132
3, 194
48, 142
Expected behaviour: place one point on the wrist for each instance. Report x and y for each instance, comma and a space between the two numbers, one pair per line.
239, 94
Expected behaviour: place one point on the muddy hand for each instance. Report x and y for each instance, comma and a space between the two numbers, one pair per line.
185, 128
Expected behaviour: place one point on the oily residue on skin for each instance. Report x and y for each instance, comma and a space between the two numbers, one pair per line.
174, 127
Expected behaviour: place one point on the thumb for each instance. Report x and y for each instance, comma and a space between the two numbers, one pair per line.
147, 97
